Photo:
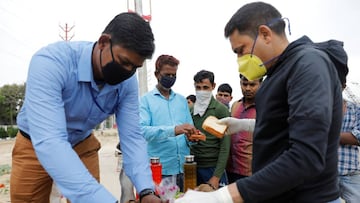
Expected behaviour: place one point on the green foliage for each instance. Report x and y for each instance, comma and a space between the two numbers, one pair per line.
8, 132
3, 133
11, 100
12, 131
5, 186
5, 169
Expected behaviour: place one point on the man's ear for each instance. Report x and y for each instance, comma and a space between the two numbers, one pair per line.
265, 33
103, 40
213, 86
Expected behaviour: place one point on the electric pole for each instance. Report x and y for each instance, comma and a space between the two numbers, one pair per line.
66, 30
142, 72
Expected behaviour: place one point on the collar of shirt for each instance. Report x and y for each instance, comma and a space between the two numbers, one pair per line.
157, 92
85, 72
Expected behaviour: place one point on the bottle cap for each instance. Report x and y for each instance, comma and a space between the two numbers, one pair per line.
189, 158
154, 160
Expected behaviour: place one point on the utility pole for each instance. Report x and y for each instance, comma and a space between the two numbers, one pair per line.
142, 72
66, 30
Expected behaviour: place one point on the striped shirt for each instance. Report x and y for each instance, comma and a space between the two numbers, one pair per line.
240, 158
349, 154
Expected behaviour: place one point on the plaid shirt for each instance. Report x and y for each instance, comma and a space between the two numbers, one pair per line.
349, 154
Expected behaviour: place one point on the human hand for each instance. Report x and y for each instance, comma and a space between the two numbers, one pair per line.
196, 137
186, 129
151, 199
219, 196
214, 182
236, 125
204, 188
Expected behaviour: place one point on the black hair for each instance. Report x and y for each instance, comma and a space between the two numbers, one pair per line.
244, 78
225, 87
204, 74
191, 97
249, 17
132, 32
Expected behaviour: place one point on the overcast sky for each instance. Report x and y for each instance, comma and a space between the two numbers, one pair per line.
191, 30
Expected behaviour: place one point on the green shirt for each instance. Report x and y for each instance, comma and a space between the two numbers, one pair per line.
214, 151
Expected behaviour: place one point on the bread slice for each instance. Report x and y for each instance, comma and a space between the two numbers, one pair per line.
210, 125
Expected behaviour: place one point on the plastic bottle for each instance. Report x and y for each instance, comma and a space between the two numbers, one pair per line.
156, 169
189, 173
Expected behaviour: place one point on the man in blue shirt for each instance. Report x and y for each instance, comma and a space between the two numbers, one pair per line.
165, 119
72, 87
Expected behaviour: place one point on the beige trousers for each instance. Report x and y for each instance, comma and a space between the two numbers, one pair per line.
30, 183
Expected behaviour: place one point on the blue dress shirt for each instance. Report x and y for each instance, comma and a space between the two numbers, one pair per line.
159, 116
60, 111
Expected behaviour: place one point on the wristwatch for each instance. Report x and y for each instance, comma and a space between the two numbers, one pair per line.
146, 192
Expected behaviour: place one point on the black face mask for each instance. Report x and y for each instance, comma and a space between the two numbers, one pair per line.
167, 81
115, 73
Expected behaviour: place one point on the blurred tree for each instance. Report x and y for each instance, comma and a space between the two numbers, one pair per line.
11, 100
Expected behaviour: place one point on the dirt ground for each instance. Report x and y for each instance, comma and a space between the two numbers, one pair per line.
109, 176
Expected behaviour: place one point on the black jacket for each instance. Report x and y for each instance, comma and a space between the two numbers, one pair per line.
299, 115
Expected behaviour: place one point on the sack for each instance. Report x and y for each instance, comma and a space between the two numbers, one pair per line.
337, 55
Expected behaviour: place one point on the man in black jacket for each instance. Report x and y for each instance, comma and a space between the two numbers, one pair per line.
299, 112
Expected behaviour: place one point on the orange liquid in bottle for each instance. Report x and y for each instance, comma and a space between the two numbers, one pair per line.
189, 173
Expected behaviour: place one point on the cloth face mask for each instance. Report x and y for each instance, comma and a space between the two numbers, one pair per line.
115, 73
167, 81
202, 102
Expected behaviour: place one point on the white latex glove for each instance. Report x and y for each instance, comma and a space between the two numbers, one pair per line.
221, 195
236, 125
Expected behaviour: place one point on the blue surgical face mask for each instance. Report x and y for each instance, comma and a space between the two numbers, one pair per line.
167, 81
